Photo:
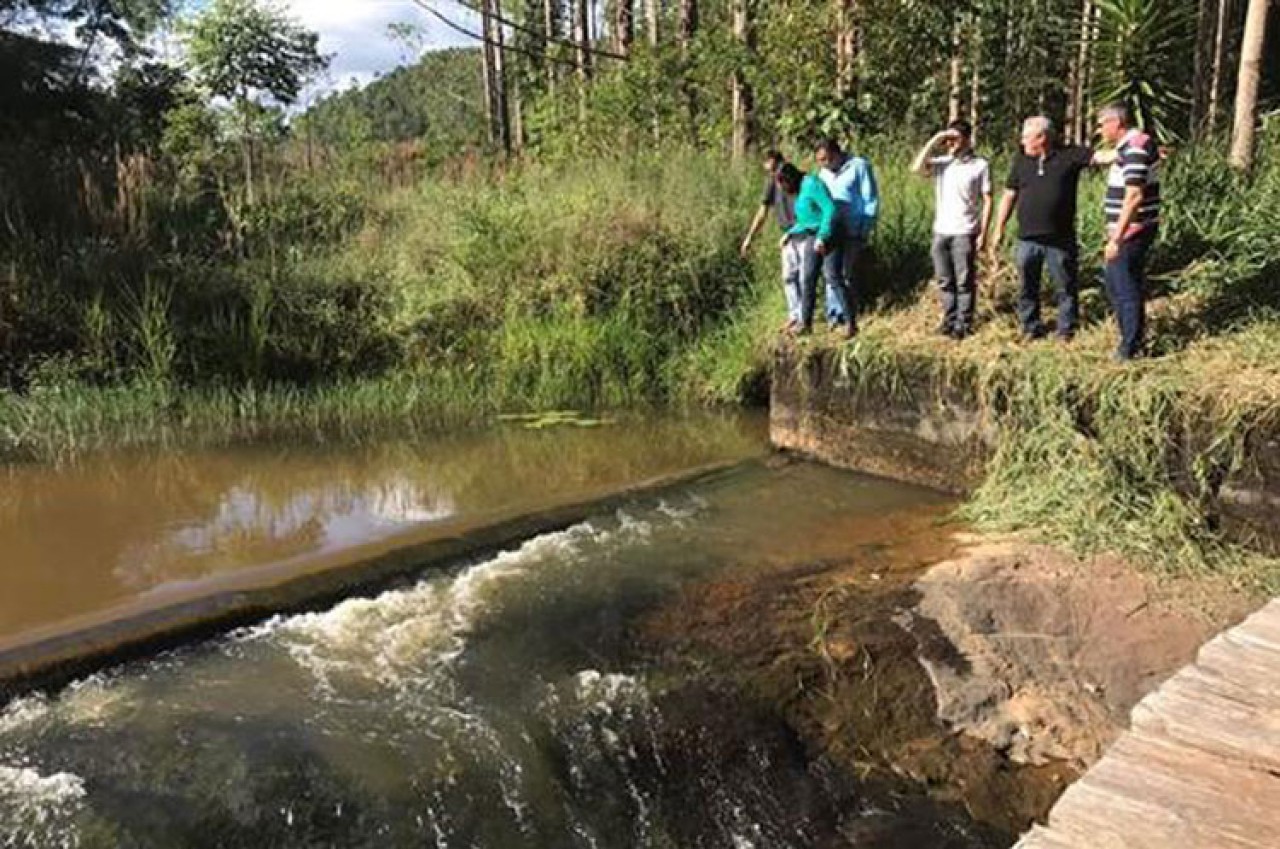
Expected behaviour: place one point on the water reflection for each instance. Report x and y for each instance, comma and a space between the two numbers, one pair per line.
112, 528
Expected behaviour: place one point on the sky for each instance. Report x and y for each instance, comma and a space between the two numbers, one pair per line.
352, 32
355, 33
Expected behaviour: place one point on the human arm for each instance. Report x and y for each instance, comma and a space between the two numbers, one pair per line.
984, 223
1002, 218
869, 194
1132, 202
921, 164
762, 213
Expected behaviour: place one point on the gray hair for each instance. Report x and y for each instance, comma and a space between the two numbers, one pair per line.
1115, 110
1039, 124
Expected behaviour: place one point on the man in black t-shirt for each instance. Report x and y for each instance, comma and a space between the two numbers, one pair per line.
1042, 185
772, 198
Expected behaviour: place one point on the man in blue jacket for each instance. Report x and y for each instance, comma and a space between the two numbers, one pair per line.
852, 185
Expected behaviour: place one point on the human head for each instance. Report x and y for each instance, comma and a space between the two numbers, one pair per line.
1113, 122
962, 135
773, 160
829, 154
1037, 135
788, 178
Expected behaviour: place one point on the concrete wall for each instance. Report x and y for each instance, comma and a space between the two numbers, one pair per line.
928, 433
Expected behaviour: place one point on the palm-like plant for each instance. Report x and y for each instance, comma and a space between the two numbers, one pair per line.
1142, 54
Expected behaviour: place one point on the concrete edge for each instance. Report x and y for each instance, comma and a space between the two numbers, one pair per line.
59, 657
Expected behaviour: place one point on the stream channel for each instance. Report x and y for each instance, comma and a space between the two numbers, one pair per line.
714, 666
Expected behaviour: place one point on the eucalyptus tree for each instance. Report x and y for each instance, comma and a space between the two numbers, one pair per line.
248, 52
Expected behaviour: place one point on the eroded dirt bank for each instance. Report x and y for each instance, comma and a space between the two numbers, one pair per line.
940, 668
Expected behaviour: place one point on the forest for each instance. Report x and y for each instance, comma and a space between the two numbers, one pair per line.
195, 247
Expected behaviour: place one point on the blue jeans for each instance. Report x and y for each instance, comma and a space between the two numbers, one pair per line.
803, 267
792, 260
838, 269
955, 266
1126, 277
1064, 268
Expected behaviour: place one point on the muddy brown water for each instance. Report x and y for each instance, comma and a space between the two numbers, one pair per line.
717, 667
138, 527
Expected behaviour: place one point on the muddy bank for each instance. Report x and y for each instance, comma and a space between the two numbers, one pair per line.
972, 679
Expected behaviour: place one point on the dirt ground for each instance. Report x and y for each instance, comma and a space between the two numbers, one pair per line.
985, 673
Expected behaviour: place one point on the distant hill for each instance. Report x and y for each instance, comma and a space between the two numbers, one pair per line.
440, 100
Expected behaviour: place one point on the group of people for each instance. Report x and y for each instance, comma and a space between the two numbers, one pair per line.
827, 218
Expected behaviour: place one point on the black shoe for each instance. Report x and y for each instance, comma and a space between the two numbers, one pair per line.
1035, 334
960, 332
945, 329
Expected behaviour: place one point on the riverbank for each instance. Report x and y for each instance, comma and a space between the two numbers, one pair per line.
971, 671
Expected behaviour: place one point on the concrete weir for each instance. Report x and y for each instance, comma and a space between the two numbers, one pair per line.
54, 656
929, 432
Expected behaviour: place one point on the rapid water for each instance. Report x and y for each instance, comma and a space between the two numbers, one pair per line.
499, 704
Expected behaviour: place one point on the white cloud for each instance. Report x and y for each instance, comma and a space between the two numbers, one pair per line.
354, 33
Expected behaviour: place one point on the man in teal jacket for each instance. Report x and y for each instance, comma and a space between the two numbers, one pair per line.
852, 185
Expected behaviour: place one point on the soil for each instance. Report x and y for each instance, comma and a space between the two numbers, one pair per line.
931, 664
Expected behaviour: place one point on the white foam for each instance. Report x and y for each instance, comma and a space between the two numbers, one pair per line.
406, 635
36, 808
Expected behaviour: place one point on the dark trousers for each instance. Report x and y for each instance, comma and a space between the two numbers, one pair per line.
1126, 277
1064, 268
955, 266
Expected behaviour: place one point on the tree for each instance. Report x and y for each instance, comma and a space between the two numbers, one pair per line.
1255, 35
246, 50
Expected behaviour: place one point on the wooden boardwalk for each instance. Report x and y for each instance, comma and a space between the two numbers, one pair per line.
1200, 766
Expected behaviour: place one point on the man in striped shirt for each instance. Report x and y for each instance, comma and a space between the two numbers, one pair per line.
1133, 215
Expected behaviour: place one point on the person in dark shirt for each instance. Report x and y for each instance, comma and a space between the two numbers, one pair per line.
782, 205
1042, 186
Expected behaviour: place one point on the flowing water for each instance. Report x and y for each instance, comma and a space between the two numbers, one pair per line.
501, 703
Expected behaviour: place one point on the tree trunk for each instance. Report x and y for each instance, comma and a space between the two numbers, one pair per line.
551, 28
487, 71
689, 29
955, 78
1077, 108
846, 50
653, 17
975, 80
743, 96
1206, 21
497, 76
582, 38
624, 25
688, 24
1255, 34
1219, 78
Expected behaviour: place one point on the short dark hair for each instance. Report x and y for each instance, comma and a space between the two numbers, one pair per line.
962, 127
830, 147
788, 178
774, 158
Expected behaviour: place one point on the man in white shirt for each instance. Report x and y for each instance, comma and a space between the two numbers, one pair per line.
962, 182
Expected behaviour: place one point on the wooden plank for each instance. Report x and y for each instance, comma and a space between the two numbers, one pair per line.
1200, 767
